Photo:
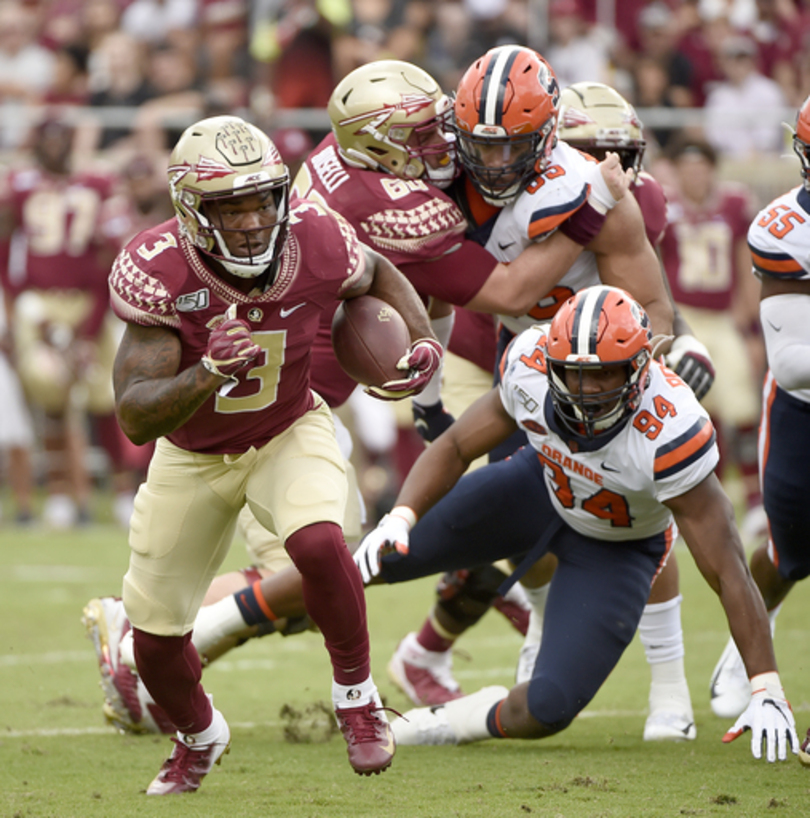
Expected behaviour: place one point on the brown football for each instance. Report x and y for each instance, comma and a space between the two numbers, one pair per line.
369, 336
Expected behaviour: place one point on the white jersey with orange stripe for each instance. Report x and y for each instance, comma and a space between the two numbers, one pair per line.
779, 237
613, 487
779, 241
536, 213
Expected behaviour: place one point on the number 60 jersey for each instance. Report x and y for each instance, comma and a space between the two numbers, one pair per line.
612, 487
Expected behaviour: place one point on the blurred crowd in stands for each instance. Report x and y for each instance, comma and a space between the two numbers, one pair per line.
126, 76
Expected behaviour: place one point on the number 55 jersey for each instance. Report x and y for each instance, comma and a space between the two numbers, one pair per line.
612, 487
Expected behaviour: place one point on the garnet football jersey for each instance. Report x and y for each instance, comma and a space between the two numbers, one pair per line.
159, 279
410, 222
698, 248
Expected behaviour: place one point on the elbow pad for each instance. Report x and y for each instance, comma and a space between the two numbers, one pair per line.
786, 330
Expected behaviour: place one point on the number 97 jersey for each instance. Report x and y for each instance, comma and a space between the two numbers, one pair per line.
612, 487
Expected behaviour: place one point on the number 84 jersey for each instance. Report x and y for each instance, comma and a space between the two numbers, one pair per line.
612, 487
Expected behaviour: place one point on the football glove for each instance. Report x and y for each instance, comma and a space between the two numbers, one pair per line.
391, 534
769, 718
431, 421
230, 347
690, 359
421, 362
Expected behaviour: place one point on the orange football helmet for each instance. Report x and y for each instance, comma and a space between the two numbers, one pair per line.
506, 120
598, 328
801, 139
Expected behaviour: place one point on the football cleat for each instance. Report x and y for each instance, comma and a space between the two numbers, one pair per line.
370, 741
424, 676
670, 726
127, 704
457, 722
671, 717
804, 751
189, 763
730, 688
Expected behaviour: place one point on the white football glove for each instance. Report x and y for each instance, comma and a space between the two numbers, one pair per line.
769, 718
391, 534
690, 359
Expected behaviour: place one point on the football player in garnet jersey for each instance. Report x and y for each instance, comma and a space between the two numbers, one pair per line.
58, 236
778, 239
222, 304
620, 451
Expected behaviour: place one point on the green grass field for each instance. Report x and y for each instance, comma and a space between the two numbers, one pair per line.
57, 757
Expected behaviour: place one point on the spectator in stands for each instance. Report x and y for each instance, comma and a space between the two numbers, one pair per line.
658, 37
744, 112
293, 39
578, 52
26, 70
118, 78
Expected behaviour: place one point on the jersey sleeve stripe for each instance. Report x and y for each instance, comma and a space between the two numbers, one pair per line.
777, 264
684, 450
545, 220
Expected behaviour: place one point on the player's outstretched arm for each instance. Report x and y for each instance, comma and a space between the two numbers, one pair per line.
483, 426
705, 518
626, 259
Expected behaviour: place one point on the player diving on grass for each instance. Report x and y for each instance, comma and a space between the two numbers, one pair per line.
621, 457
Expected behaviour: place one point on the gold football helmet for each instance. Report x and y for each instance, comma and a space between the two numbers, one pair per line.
387, 115
222, 158
597, 119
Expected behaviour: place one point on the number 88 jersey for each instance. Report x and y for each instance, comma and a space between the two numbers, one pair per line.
612, 487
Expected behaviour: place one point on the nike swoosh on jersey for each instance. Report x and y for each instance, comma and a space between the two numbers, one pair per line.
609, 468
774, 327
505, 246
288, 311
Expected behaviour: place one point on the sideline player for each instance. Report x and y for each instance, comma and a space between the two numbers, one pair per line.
58, 236
778, 239
222, 304
620, 452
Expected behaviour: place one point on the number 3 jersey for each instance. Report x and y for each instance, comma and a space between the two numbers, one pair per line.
779, 241
612, 487
161, 280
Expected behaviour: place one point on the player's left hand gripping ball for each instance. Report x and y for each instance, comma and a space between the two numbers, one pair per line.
769, 718
230, 347
391, 534
421, 363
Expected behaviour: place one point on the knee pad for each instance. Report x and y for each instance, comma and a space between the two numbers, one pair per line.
554, 707
467, 595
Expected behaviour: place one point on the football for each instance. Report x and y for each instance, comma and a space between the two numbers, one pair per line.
369, 336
